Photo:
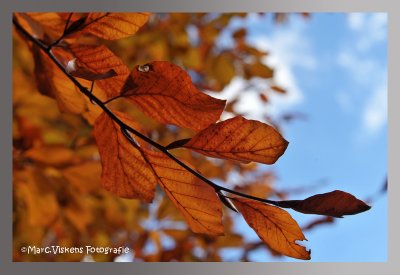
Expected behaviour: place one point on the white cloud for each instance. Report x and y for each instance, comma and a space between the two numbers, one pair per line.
288, 47
367, 70
369, 29
375, 110
356, 21
362, 70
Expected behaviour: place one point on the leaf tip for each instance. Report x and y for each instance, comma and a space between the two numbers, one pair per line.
364, 208
309, 254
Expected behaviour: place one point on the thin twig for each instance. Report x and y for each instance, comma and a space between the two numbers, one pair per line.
55, 43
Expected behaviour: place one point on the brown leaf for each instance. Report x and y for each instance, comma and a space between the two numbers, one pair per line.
56, 155
43, 22
240, 33
30, 25
32, 188
53, 83
274, 226
125, 171
88, 173
263, 97
278, 89
165, 92
100, 60
77, 212
197, 201
239, 139
260, 189
80, 72
258, 70
222, 69
113, 25
336, 204
318, 222
130, 172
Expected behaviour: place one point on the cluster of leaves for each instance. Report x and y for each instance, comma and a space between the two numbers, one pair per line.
56, 187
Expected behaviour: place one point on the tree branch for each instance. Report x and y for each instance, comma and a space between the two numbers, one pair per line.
47, 50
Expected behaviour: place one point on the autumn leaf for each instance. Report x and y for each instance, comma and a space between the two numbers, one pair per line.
274, 226
222, 69
53, 83
29, 24
258, 70
67, 180
239, 139
336, 204
101, 61
128, 173
81, 72
57, 156
196, 200
88, 172
125, 171
165, 92
278, 89
33, 189
318, 222
41, 23
78, 215
261, 189
75, 210
76, 22
111, 26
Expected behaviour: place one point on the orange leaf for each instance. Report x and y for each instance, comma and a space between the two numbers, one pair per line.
197, 201
43, 22
77, 211
239, 139
336, 204
88, 172
81, 72
278, 89
125, 171
166, 93
32, 188
57, 156
52, 82
100, 60
113, 26
274, 226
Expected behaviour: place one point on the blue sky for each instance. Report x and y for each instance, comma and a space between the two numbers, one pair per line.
335, 69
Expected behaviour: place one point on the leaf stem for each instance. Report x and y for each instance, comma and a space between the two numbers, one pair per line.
47, 50
63, 34
111, 99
